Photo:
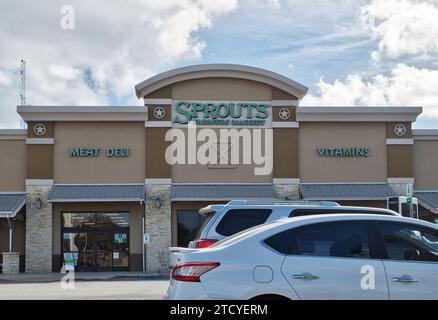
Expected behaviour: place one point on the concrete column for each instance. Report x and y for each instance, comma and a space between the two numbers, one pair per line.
11, 262
158, 226
38, 229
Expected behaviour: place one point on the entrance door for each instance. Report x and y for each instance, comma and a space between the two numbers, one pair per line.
98, 241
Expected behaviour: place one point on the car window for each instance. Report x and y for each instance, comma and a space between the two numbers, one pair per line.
409, 242
245, 233
282, 242
207, 219
236, 220
333, 240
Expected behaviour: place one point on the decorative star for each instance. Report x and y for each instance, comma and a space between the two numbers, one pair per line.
39, 129
159, 112
284, 114
400, 130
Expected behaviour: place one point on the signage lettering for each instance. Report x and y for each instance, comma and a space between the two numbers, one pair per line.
91, 152
221, 113
343, 152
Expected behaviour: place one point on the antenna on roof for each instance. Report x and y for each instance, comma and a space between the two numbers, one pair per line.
23, 89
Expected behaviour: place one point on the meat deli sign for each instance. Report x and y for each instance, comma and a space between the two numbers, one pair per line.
236, 113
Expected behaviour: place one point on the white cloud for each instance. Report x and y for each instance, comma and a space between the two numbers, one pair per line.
403, 27
115, 45
404, 86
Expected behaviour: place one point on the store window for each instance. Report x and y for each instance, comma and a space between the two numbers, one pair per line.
96, 241
188, 224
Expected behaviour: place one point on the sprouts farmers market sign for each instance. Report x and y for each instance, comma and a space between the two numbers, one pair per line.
222, 113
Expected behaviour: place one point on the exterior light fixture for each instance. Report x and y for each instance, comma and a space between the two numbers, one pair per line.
38, 203
157, 202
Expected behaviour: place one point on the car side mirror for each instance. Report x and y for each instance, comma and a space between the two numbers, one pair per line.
412, 254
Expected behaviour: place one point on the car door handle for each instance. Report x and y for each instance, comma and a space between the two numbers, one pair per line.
405, 279
305, 276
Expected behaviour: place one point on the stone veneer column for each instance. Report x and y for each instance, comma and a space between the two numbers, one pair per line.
11, 263
38, 230
399, 188
158, 226
288, 191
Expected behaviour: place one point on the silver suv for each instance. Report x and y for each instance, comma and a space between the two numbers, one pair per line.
224, 220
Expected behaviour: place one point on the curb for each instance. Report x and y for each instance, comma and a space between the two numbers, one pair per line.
112, 278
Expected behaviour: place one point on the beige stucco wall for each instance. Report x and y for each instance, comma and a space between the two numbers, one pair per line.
101, 169
221, 89
12, 165
243, 173
314, 168
426, 164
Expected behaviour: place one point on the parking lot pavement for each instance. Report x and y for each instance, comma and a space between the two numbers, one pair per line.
86, 290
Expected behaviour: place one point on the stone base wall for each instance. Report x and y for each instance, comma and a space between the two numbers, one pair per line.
38, 230
158, 222
11, 263
288, 191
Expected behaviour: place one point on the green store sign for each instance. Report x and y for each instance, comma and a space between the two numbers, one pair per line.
343, 152
221, 113
91, 152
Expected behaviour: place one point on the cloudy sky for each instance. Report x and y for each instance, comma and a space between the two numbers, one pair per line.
364, 52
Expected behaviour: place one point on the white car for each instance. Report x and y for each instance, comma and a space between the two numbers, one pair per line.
340, 256
224, 220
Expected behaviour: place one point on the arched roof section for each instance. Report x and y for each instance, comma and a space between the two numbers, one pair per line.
220, 71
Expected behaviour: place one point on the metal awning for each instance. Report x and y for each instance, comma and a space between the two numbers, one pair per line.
222, 192
372, 191
11, 203
97, 193
428, 200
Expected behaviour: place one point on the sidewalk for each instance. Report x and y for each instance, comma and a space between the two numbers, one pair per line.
80, 276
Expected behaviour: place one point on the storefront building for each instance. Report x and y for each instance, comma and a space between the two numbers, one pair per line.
95, 181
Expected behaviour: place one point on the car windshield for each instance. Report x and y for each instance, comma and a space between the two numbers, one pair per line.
243, 234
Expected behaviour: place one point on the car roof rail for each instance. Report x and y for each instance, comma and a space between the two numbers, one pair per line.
282, 202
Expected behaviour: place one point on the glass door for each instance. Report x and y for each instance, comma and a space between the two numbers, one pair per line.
97, 241
120, 250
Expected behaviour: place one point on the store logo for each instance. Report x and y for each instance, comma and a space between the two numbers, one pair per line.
343, 152
221, 113
39, 129
400, 130
224, 146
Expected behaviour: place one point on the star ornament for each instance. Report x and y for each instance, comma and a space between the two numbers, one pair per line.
400, 130
39, 129
284, 114
159, 112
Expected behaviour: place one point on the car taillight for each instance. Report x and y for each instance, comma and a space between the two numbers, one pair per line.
204, 243
192, 271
